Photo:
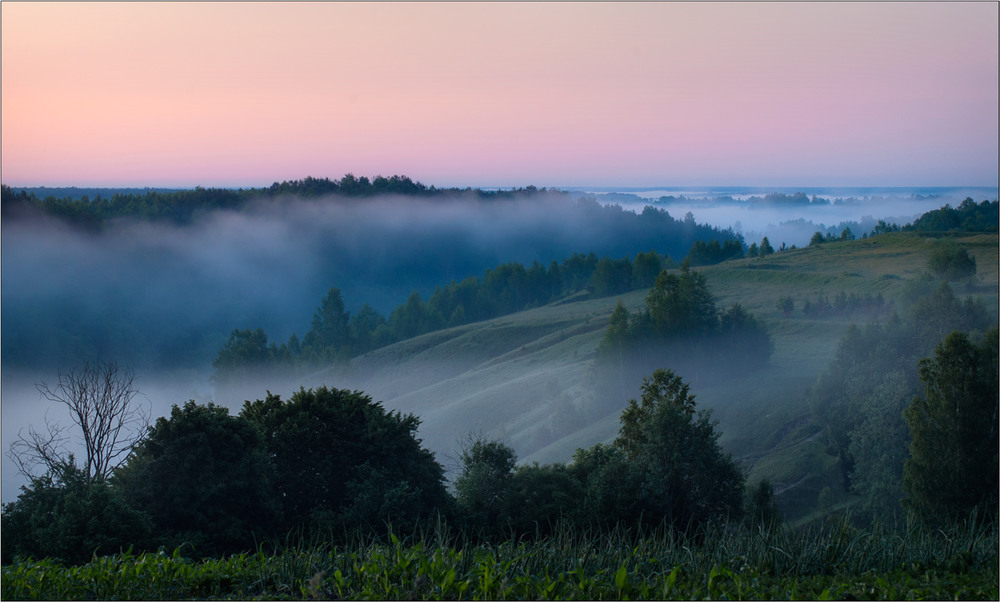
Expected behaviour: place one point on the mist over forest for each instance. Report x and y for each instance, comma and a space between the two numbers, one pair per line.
163, 295
167, 295
792, 215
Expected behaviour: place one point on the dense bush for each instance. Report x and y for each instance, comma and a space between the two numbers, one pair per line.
951, 262
344, 463
66, 516
206, 479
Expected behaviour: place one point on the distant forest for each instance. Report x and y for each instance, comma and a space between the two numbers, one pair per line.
166, 277
163, 278
182, 206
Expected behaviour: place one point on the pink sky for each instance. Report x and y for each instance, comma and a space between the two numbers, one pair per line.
501, 94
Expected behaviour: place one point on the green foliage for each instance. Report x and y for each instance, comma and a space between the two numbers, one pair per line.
860, 397
205, 478
967, 217
712, 252
680, 305
612, 277
844, 304
345, 463
482, 490
66, 516
329, 339
832, 562
245, 354
680, 327
547, 497
183, 206
761, 506
951, 262
686, 479
765, 247
645, 269
953, 466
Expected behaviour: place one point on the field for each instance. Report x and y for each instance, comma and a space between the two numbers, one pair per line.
525, 378
827, 562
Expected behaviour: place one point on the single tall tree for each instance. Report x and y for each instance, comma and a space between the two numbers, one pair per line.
953, 465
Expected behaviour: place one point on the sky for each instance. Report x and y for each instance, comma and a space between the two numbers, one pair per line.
500, 94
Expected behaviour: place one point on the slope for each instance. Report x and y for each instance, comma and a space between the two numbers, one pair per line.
525, 378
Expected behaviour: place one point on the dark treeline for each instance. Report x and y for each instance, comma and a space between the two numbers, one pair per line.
167, 294
328, 464
182, 206
336, 335
967, 217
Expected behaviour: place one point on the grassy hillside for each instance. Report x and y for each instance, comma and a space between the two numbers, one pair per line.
525, 378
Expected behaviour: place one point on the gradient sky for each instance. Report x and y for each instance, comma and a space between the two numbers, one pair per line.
501, 94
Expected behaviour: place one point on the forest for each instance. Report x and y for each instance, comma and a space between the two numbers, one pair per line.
216, 260
902, 416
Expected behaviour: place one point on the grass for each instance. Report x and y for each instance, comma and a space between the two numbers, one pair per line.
827, 561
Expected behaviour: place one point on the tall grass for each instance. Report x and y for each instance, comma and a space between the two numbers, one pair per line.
832, 560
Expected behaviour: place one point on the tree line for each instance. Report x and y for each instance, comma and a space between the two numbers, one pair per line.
183, 206
335, 335
333, 463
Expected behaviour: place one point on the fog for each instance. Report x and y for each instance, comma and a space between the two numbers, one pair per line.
170, 295
749, 213
163, 298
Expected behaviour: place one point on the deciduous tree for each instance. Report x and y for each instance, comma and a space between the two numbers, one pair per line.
101, 400
953, 466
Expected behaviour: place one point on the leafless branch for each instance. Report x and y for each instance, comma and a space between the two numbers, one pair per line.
101, 403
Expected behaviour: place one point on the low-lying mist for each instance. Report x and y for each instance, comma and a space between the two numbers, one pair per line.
169, 295
783, 217
163, 297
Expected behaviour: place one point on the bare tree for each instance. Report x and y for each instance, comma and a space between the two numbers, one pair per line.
101, 402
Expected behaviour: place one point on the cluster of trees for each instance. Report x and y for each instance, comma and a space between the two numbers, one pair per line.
951, 262
967, 217
325, 461
843, 304
711, 252
332, 463
681, 326
861, 397
336, 335
763, 250
818, 238
665, 466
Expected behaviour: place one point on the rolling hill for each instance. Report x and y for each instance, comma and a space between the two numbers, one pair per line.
527, 378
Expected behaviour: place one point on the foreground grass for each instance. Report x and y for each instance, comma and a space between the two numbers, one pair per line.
825, 562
